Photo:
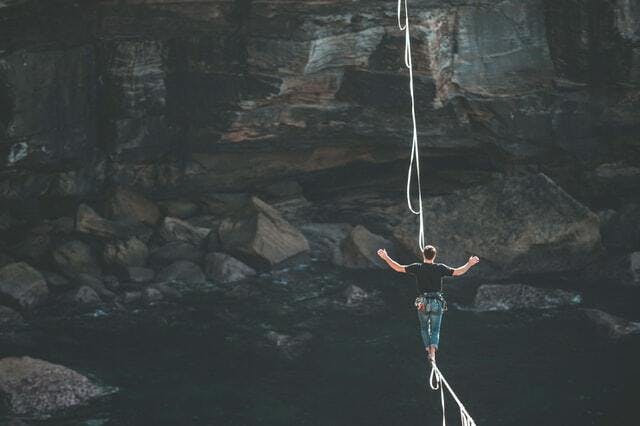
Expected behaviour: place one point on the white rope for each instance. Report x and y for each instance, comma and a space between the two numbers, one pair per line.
436, 381
415, 155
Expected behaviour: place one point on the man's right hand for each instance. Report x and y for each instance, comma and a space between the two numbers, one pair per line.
473, 260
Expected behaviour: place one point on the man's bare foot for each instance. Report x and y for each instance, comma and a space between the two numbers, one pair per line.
431, 354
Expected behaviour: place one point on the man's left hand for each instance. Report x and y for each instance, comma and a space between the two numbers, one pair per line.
383, 253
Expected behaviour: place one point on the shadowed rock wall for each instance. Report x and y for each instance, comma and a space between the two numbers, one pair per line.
209, 95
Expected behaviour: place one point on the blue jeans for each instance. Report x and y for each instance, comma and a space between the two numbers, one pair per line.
430, 321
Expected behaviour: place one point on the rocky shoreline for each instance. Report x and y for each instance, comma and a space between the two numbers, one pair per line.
136, 250
140, 257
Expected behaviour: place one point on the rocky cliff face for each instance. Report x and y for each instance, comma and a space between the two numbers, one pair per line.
204, 95
194, 97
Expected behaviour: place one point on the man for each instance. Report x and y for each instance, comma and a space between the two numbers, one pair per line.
430, 301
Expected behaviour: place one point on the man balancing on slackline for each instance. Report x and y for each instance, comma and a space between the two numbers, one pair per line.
430, 301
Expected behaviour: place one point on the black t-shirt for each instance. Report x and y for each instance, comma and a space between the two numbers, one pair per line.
429, 275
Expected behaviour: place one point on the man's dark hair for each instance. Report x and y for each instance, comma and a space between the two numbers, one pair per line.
429, 252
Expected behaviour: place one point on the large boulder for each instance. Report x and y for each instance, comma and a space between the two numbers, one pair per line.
111, 282
225, 204
360, 249
182, 209
612, 326
97, 284
174, 229
182, 271
7, 221
56, 281
221, 267
634, 266
35, 245
23, 285
131, 297
126, 204
361, 300
75, 257
502, 297
35, 387
261, 236
290, 346
86, 296
10, 319
326, 240
5, 259
152, 295
174, 251
131, 252
90, 222
295, 210
61, 226
523, 224
285, 189
620, 229
170, 290
206, 221
138, 275
615, 178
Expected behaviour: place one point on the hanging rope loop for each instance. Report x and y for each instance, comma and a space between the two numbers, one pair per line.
414, 161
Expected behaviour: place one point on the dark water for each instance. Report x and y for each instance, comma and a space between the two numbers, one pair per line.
526, 368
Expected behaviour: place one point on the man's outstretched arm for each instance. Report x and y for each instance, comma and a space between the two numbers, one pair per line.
473, 260
392, 263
